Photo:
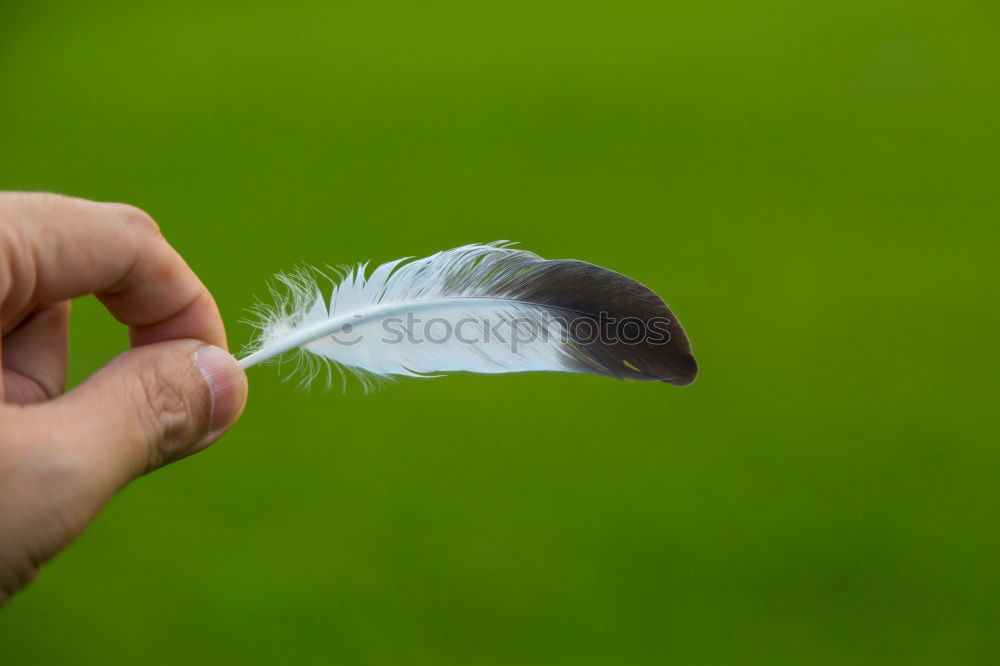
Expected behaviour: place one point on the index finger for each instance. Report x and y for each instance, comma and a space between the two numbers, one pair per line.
57, 248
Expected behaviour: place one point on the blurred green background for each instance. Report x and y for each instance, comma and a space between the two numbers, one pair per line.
812, 187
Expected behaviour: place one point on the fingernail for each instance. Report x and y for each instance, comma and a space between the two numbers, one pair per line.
228, 383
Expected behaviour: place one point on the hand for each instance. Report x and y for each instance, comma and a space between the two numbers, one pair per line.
174, 393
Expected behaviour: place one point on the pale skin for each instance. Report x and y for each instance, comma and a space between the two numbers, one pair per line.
63, 455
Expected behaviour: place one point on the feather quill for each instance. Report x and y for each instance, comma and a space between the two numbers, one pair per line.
485, 308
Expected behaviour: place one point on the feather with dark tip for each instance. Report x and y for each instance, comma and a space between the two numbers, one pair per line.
530, 314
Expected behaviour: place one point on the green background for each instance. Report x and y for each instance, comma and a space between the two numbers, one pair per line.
812, 186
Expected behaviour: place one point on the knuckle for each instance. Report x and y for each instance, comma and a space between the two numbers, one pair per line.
171, 420
137, 219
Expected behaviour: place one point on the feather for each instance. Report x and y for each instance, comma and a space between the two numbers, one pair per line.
478, 308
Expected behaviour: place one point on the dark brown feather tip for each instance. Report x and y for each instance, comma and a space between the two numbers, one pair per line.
639, 336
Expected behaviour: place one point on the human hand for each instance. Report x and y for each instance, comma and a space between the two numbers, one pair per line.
172, 394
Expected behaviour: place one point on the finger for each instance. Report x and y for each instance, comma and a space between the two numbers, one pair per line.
61, 460
34, 356
56, 248
152, 405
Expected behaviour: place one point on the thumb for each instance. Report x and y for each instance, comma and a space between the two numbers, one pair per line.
152, 405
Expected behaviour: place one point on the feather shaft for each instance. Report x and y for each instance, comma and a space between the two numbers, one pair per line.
307, 334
